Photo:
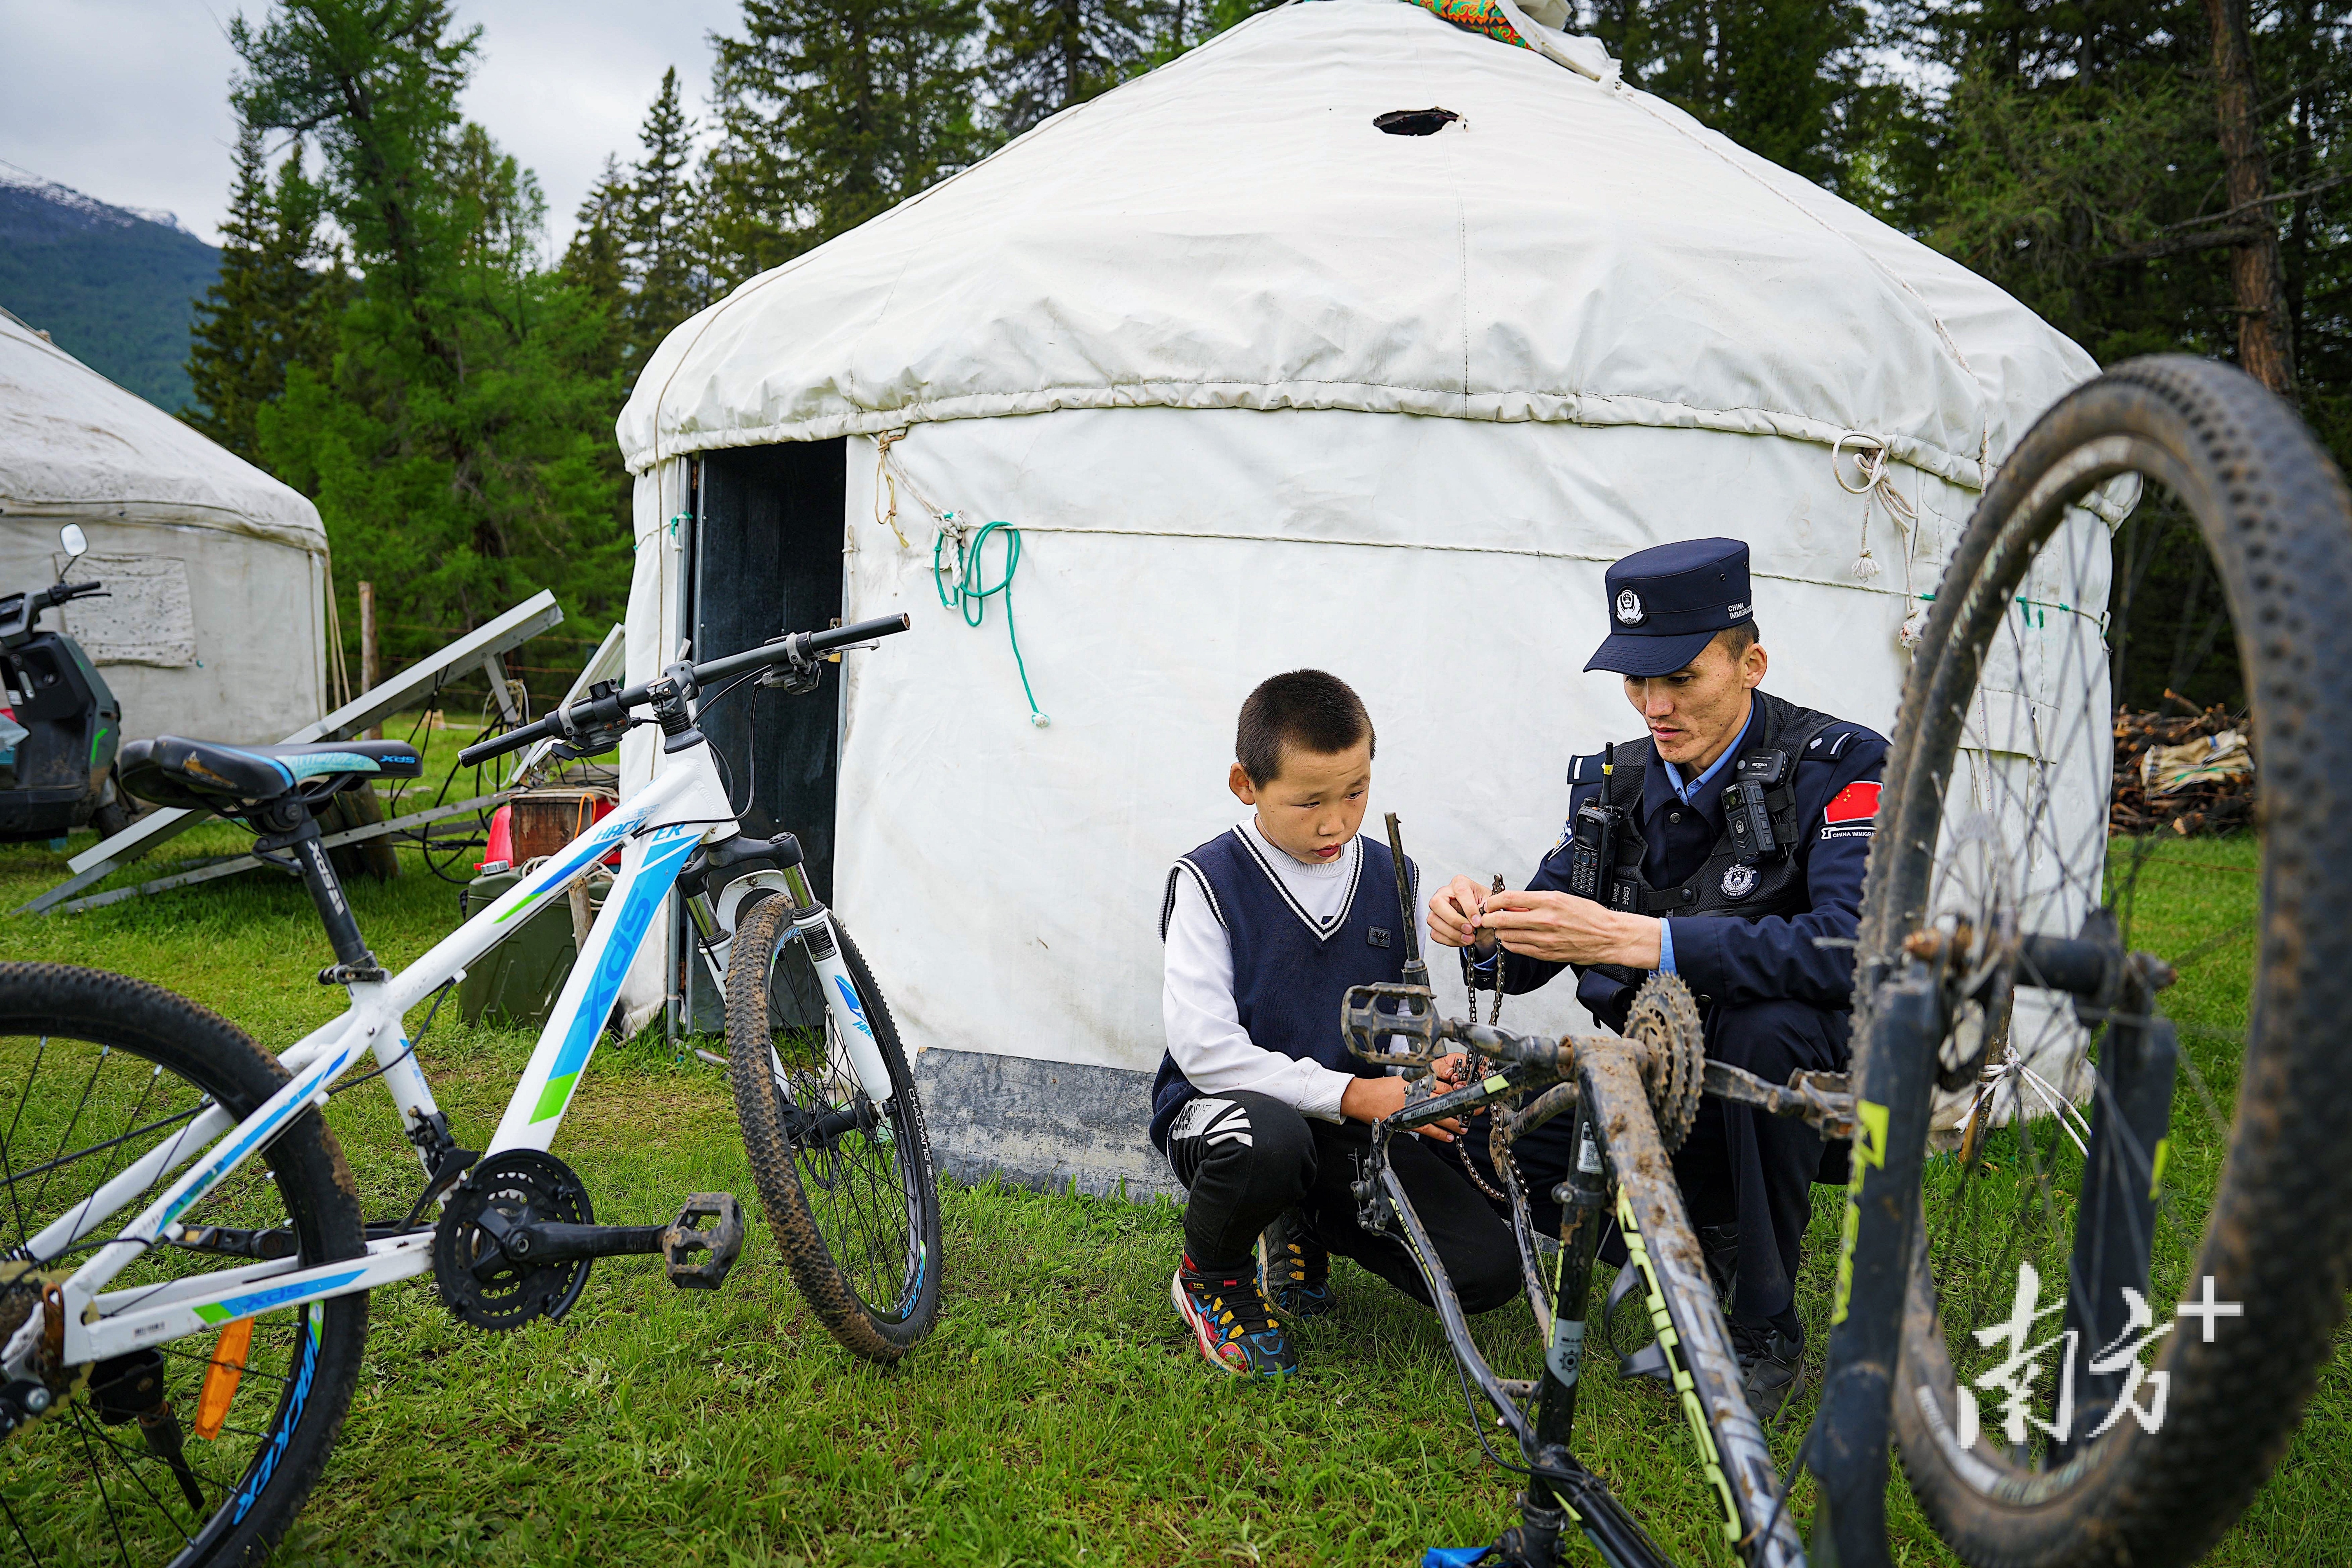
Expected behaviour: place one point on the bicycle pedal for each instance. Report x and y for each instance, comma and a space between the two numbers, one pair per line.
723, 1241
1650, 1360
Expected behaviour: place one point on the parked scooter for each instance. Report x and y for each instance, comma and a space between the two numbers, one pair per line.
60, 725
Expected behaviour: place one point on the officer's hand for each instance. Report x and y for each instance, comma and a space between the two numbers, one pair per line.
1560, 928
1454, 913
1370, 1099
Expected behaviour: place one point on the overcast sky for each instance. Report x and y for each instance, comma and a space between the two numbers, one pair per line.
126, 100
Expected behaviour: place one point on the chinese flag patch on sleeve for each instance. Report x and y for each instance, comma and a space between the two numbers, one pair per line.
1853, 811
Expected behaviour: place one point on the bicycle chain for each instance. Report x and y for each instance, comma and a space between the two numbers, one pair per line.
1495, 1012
1470, 979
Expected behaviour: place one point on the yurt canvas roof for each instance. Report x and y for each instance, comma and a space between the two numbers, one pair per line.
1229, 232
75, 447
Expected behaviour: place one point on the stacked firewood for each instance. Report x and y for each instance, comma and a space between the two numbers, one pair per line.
2182, 770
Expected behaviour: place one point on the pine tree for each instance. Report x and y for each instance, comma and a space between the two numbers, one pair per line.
2076, 160
1046, 55
1173, 27
272, 305
666, 274
830, 111
1784, 79
597, 261
459, 446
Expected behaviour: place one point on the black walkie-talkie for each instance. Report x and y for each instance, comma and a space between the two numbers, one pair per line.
1592, 838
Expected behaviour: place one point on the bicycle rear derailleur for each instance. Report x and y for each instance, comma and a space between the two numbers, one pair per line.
518, 1234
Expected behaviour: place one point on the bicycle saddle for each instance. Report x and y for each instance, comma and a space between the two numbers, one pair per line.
207, 774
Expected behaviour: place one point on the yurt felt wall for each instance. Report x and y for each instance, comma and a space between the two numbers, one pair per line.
214, 623
1262, 387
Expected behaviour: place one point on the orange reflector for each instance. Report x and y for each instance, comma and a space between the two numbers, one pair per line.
221, 1377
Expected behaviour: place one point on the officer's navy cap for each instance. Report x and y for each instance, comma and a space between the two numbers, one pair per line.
1667, 602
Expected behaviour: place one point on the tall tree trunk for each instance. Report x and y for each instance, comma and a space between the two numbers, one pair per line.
2266, 349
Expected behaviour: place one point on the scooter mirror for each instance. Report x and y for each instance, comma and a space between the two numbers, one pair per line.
76, 543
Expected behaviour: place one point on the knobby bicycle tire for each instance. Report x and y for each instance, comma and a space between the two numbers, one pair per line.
2274, 516
256, 1502
874, 1286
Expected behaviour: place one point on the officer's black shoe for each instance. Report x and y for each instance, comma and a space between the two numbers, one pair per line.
1720, 1243
1771, 1366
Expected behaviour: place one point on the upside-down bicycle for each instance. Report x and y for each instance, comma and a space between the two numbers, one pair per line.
1998, 992
183, 1262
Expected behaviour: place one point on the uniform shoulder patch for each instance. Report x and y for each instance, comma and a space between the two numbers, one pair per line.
1834, 742
1853, 812
1584, 770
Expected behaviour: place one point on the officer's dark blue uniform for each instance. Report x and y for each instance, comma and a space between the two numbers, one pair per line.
1765, 941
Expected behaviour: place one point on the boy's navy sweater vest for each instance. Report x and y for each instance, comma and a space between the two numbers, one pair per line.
1289, 979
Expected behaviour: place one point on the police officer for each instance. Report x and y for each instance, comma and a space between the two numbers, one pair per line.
1756, 908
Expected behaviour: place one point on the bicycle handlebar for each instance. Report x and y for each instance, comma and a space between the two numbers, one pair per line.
604, 712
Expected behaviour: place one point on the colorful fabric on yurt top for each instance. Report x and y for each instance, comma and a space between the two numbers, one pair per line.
1477, 17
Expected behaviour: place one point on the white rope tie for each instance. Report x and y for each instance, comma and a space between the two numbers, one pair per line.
1877, 488
886, 483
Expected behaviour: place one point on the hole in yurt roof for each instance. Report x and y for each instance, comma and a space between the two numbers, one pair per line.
1416, 121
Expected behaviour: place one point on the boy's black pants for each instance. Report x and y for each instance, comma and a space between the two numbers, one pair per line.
1245, 1157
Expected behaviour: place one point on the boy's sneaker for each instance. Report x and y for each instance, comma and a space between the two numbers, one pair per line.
1232, 1324
1293, 1270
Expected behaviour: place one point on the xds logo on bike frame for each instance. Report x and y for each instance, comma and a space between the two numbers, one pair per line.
856, 1012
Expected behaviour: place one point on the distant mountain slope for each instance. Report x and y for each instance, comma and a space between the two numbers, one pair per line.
115, 287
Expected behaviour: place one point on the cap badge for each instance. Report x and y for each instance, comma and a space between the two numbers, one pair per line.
1738, 881
1629, 608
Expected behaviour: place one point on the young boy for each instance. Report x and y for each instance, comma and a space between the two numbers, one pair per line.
1258, 1105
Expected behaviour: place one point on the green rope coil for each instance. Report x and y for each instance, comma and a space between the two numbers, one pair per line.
968, 597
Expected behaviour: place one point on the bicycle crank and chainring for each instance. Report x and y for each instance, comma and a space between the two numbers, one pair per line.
479, 1283
1665, 1017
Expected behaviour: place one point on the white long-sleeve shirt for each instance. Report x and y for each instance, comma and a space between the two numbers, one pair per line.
1205, 1036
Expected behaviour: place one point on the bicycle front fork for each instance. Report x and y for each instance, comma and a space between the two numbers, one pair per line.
1561, 1493
841, 999
1892, 1091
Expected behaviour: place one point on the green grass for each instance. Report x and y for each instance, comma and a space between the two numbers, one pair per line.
1058, 1414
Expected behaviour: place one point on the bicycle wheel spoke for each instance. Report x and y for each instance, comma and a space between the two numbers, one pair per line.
7, 1144
18, 1526
75, 1121
106, 1500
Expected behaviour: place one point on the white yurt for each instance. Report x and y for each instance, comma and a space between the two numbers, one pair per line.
1262, 386
214, 622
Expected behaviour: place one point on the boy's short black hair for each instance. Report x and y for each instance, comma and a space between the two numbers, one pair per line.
1737, 640
1305, 707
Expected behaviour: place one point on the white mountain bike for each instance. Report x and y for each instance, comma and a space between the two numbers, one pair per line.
183, 1264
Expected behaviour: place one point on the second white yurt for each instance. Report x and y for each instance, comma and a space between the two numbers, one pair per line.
1264, 379
214, 622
